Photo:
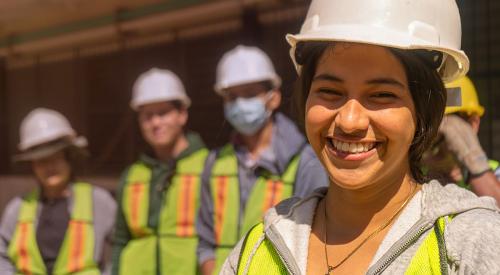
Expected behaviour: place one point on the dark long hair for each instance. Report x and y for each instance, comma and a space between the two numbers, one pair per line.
425, 84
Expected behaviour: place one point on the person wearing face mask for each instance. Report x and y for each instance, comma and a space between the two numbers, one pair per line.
62, 226
260, 166
159, 193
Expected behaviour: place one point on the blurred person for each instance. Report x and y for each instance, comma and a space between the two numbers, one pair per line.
457, 155
62, 226
266, 160
372, 97
159, 193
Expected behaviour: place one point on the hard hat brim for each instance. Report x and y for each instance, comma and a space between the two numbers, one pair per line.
455, 66
78, 144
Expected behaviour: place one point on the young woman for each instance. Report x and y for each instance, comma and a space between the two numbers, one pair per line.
61, 227
372, 98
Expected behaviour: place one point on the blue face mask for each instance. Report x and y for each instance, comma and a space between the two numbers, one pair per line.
247, 115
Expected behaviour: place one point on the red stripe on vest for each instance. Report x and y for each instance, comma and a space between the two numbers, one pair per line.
135, 203
76, 256
220, 203
185, 226
274, 189
24, 257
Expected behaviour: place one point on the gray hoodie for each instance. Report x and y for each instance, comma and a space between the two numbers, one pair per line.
472, 237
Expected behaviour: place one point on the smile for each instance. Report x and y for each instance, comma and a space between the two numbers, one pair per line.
352, 147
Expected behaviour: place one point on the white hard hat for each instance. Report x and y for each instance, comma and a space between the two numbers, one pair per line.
244, 65
157, 85
41, 126
44, 132
416, 24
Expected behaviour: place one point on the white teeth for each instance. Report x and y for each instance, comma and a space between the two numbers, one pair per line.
352, 148
345, 147
361, 148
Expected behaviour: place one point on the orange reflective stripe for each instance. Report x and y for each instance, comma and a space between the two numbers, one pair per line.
135, 203
186, 206
77, 240
24, 257
220, 205
274, 192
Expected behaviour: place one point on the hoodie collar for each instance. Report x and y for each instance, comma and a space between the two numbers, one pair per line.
288, 225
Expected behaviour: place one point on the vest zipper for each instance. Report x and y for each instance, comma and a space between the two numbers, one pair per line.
402, 246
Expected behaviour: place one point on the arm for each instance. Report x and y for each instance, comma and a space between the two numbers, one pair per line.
486, 184
205, 224
463, 142
7, 228
310, 174
104, 213
121, 232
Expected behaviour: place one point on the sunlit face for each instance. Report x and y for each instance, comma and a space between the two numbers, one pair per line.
53, 171
161, 123
360, 117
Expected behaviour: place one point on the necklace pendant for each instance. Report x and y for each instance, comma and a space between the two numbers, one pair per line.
330, 269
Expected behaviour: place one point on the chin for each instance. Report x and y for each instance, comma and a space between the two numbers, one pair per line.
350, 181
353, 178
53, 182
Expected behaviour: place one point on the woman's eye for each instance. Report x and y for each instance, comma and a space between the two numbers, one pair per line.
329, 91
384, 95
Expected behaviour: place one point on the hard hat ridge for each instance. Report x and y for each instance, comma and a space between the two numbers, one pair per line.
408, 25
244, 65
158, 85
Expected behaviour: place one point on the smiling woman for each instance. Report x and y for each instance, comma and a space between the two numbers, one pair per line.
371, 96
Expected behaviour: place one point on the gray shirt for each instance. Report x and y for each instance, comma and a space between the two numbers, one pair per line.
104, 216
286, 143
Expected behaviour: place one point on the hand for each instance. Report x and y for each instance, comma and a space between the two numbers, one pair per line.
462, 141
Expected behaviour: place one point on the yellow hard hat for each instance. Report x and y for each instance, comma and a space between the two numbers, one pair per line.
469, 103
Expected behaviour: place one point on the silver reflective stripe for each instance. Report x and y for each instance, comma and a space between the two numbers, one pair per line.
454, 98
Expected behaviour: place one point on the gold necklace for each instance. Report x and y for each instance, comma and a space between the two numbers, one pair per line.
382, 227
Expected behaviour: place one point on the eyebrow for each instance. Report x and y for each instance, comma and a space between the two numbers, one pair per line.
379, 80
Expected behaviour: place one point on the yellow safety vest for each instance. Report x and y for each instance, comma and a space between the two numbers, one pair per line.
76, 255
171, 248
268, 191
430, 257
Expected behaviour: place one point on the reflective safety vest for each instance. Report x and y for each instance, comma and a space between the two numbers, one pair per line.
430, 258
266, 193
76, 255
170, 248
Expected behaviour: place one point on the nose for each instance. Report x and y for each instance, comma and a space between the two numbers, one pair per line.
352, 118
155, 119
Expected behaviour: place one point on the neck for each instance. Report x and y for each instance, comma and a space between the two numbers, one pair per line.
168, 152
258, 142
357, 210
55, 192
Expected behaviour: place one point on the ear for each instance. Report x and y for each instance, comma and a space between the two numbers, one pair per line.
274, 101
474, 122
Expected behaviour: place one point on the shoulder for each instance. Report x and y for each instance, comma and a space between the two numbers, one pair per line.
299, 210
212, 157
103, 199
12, 208
473, 240
308, 155
9, 218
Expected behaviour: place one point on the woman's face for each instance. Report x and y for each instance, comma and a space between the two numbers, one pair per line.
52, 171
360, 117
